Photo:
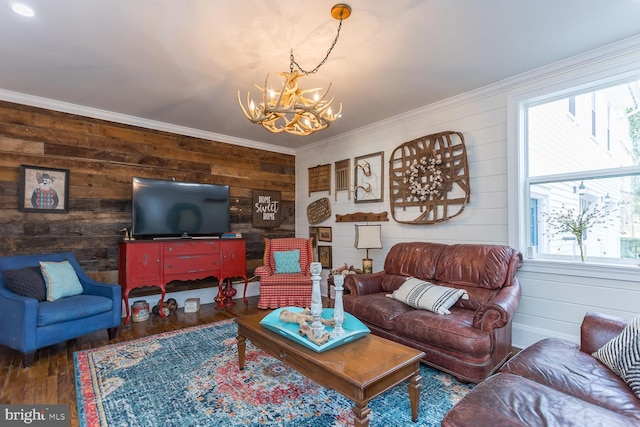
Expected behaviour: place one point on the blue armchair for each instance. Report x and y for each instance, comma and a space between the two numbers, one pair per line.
29, 324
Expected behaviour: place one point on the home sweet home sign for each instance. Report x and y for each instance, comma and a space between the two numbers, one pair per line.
266, 208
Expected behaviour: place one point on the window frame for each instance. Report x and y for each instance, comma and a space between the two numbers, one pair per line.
582, 78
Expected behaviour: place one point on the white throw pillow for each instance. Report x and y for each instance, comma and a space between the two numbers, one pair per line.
425, 295
622, 355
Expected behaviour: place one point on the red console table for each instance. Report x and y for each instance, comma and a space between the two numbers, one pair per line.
158, 262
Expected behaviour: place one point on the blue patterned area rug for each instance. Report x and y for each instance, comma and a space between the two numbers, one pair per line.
190, 377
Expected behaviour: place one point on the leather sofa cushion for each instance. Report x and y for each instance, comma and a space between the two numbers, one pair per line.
415, 259
509, 400
72, 308
451, 332
562, 366
484, 266
376, 309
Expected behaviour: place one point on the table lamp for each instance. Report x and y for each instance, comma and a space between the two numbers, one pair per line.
368, 237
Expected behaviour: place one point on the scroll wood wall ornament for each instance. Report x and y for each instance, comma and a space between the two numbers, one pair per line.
429, 179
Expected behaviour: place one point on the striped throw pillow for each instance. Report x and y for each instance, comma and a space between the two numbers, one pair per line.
622, 355
425, 295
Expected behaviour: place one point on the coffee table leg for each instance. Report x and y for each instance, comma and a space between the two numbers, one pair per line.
361, 411
242, 346
414, 393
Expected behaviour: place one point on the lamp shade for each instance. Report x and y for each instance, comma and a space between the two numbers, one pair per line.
368, 237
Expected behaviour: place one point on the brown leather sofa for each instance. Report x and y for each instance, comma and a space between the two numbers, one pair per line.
475, 338
553, 383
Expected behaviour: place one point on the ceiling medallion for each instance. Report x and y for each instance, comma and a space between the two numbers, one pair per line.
292, 109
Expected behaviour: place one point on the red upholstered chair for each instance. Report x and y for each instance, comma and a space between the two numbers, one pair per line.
285, 289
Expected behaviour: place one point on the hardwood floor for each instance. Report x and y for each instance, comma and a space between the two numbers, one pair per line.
50, 379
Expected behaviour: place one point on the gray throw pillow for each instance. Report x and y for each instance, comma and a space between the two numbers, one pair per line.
27, 281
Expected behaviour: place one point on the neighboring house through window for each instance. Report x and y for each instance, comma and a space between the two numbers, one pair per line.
584, 163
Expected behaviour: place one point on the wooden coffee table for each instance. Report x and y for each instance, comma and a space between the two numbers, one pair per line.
360, 370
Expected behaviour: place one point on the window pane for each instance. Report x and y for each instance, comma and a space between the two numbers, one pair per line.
561, 142
602, 215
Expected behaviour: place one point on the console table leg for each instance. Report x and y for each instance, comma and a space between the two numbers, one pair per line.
161, 302
242, 345
414, 393
361, 412
125, 297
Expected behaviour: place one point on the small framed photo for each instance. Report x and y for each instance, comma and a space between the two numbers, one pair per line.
43, 190
313, 235
325, 256
324, 234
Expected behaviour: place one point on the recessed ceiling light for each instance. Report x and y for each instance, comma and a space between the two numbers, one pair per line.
22, 9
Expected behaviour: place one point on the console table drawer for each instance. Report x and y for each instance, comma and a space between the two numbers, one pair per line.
190, 264
191, 247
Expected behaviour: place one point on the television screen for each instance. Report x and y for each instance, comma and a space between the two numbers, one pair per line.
178, 209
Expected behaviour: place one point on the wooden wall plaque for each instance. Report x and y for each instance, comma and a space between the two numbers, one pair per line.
266, 209
320, 178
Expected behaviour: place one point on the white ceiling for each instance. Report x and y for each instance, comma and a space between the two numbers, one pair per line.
181, 62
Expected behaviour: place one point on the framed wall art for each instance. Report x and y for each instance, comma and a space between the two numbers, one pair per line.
324, 234
368, 172
266, 209
313, 235
325, 256
44, 190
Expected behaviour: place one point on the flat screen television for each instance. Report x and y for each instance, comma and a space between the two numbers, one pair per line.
178, 209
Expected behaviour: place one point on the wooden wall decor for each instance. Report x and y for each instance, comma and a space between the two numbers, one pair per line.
318, 211
429, 179
266, 209
342, 172
368, 174
102, 157
320, 178
362, 216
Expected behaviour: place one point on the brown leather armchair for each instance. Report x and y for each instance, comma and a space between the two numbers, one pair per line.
472, 341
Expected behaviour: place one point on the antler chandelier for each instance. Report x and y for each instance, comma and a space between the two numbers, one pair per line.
291, 109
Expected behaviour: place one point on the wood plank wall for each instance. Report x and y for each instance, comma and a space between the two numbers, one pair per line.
102, 157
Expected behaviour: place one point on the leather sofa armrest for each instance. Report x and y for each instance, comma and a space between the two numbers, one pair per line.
597, 329
363, 284
263, 270
498, 312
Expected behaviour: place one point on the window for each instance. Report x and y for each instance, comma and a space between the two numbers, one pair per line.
583, 197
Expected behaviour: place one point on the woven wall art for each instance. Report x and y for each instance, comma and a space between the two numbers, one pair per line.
429, 179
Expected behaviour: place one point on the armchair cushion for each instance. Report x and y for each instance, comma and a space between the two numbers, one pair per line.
72, 308
622, 355
287, 261
27, 281
61, 279
420, 294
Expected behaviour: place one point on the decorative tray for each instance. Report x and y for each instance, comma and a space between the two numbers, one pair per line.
353, 328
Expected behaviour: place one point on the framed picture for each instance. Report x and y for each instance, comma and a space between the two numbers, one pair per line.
266, 209
313, 234
324, 234
325, 256
368, 178
43, 190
